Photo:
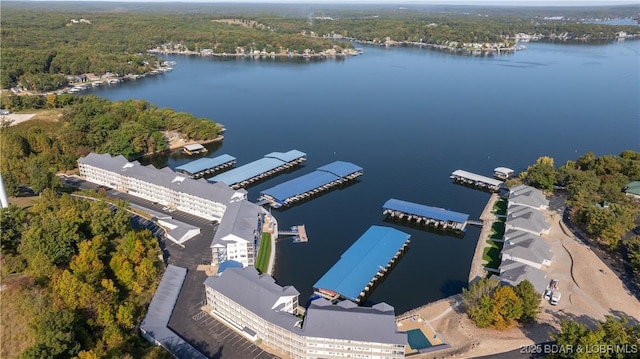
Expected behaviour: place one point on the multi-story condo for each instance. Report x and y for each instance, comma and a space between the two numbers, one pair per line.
263, 311
240, 220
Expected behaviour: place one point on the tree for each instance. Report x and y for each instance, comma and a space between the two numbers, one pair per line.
478, 289
633, 252
506, 307
55, 335
530, 301
542, 174
11, 225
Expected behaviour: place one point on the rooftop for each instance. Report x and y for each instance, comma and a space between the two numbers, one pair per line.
347, 321
194, 147
305, 183
512, 273
476, 177
258, 293
267, 163
425, 211
205, 163
633, 188
159, 311
527, 196
240, 220
359, 264
165, 177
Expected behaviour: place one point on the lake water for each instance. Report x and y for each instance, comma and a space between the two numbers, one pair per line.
409, 117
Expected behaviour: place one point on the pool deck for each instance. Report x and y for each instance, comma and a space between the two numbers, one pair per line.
418, 322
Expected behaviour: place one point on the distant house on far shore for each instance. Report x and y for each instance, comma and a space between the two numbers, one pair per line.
633, 189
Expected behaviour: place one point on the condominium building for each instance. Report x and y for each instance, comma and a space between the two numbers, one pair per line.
240, 220
163, 186
265, 312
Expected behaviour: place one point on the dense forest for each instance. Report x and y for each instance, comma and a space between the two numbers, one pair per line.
32, 152
595, 196
43, 42
76, 280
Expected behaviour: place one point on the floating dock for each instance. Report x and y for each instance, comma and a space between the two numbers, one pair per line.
303, 187
426, 215
269, 165
363, 264
204, 166
299, 234
194, 149
475, 180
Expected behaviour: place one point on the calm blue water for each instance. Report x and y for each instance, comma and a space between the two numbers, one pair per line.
409, 117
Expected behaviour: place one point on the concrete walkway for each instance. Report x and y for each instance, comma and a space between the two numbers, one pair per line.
488, 218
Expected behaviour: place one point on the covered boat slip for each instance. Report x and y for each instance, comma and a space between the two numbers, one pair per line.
204, 166
476, 180
267, 166
426, 215
302, 187
360, 266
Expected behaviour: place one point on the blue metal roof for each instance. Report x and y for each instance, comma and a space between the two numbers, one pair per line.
340, 168
299, 185
255, 168
425, 211
287, 156
359, 264
206, 163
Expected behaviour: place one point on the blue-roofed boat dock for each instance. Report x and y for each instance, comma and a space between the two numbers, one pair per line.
306, 186
205, 166
363, 264
472, 179
270, 165
426, 215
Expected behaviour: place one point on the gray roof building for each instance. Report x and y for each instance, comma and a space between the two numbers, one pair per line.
515, 236
154, 326
347, 321
241, 220
512, 273
527, 196
526, 219
165, 177
532, 250
258, 293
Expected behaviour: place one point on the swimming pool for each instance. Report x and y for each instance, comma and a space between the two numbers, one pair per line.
417, 340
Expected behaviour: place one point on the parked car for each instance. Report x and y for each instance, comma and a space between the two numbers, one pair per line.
547, 294
555, 297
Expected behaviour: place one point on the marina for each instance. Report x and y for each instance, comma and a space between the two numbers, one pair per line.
205, 166
194, 149
270, 165
426, 215
475, 180
363, 264
306, 186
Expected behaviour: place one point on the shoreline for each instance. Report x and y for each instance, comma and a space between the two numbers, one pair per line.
477, 269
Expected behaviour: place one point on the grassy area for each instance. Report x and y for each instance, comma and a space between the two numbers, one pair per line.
497, 229
262, 261
500, 207
491, 254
